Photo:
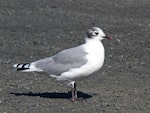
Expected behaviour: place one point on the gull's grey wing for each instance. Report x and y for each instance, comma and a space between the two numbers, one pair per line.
63, 61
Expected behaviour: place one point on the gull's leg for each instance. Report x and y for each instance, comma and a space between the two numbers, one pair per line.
72, 91
75, 91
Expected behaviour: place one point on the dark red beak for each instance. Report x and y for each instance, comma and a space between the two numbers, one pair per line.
108, 37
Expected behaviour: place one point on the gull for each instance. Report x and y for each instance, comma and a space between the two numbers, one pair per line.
71, 65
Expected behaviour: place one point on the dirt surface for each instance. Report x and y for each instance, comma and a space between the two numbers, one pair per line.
35, 29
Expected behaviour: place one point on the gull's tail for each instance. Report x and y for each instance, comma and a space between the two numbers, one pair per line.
22, 67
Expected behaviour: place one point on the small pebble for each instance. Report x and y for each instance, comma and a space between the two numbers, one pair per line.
118, 40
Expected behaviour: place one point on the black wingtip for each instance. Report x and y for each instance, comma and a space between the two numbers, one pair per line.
22, 66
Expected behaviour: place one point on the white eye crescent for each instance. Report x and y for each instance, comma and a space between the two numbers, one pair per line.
95, 33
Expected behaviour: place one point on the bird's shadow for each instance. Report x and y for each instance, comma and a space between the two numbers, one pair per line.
54, 95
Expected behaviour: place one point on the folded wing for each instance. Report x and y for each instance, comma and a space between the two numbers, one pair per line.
62, 62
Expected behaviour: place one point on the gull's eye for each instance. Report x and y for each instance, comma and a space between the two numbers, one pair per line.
95, 33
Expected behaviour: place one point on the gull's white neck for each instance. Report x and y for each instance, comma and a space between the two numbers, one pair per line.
94, 46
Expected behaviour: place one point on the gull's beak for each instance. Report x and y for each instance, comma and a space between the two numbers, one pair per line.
108, 37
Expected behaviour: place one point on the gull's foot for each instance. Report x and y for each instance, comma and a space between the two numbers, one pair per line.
77, 99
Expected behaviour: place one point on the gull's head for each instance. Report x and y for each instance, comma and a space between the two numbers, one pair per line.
97, 34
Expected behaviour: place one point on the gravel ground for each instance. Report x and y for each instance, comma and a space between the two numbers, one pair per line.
35, 29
